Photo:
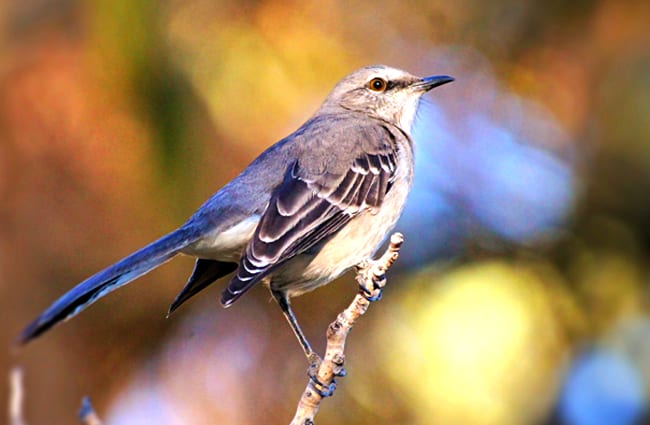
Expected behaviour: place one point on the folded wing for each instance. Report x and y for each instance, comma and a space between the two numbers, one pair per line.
307, 208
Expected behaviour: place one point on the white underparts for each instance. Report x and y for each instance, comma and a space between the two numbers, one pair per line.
226, 245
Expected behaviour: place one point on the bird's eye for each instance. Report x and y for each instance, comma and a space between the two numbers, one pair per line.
377, 84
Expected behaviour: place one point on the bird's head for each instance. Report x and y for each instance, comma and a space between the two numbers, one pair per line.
383, 92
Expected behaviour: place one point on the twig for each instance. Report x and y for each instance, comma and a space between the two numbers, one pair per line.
87, 415
16, 396
371, 276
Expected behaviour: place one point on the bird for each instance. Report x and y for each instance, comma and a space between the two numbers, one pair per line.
307, 209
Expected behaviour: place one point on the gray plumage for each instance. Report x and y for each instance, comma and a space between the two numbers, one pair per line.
306, 210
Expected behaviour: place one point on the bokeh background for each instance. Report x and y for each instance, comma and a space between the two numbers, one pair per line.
522, 293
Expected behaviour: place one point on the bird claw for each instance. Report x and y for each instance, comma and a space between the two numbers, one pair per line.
371, 278
321, 388
314, 361
371, 295
341, 373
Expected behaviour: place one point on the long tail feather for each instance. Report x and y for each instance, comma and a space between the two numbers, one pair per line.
109, 279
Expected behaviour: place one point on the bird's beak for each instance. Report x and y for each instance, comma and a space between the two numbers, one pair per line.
428, 83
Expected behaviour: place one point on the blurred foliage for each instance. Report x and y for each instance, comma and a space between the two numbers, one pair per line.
495, 335
117, 119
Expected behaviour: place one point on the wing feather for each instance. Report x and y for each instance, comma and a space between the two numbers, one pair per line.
308, 208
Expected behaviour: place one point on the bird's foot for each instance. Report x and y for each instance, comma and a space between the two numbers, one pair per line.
314, 360
321, 388
371, 277
373, 295
371, 274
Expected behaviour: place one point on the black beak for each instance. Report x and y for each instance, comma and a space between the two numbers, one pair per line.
428, 83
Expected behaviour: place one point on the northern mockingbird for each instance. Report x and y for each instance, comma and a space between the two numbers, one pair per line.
310, 207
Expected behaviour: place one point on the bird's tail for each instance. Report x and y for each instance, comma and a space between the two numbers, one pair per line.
109, 279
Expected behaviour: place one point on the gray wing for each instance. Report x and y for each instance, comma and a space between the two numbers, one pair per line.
308, 207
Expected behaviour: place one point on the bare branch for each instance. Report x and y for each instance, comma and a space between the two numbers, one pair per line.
87, 415
371, 276
16, 397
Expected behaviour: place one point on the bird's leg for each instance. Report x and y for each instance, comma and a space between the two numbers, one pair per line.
312, 357
283, 302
